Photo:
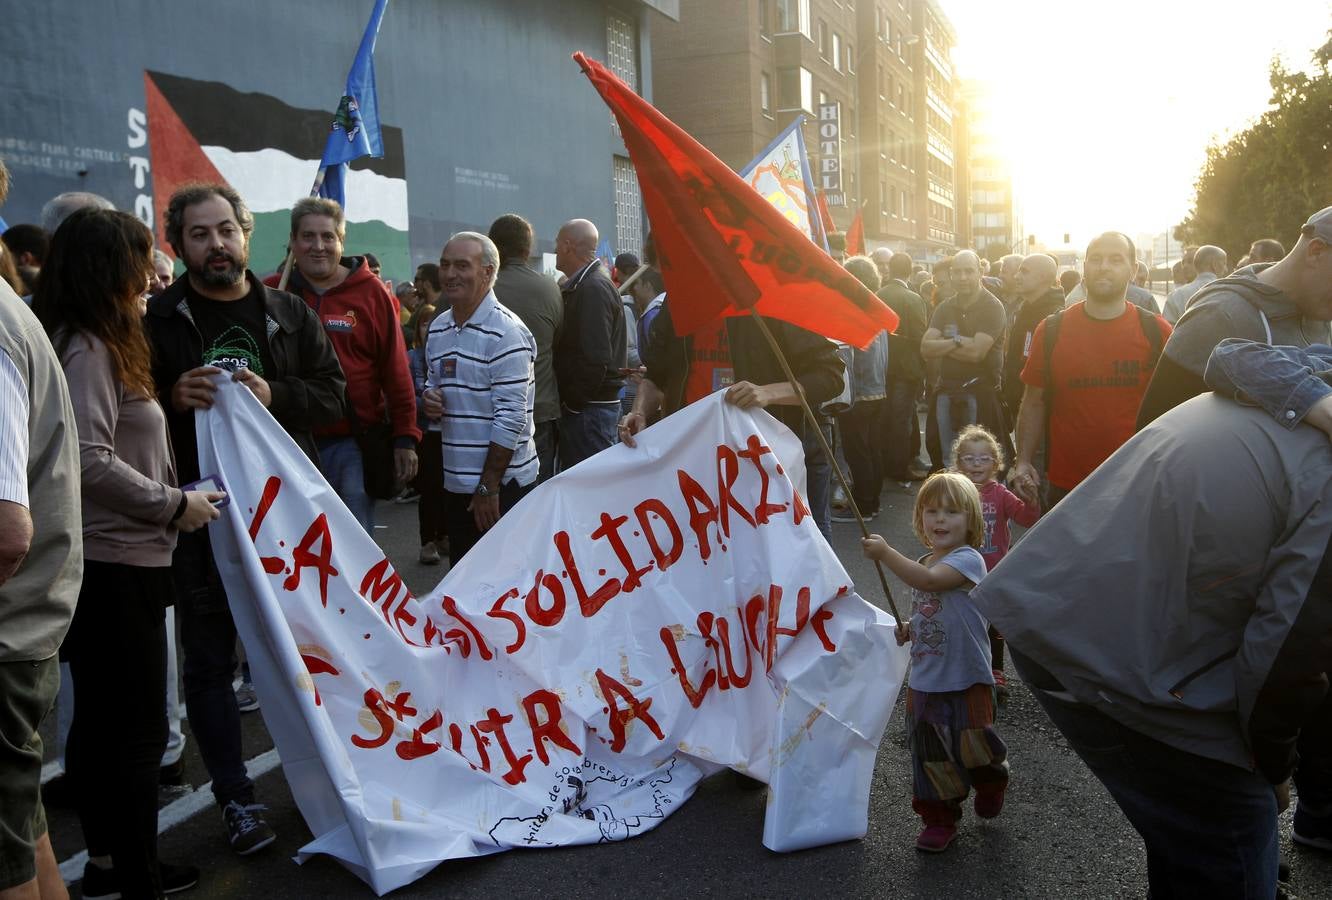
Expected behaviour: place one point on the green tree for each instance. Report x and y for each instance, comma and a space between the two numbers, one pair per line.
1266, 180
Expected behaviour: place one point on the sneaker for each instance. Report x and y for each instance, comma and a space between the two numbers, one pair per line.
936, 838
989, 803
247, 700
845, 515
1000, 685
408, 495
247, 829
429, 554
1311, 830
102, 884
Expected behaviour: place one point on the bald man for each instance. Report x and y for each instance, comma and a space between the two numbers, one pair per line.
592, 350
963, 337
1037, 295
1211, 264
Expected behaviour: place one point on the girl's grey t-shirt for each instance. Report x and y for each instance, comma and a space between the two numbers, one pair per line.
950, 641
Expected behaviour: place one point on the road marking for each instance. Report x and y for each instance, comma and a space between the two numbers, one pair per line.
176, 812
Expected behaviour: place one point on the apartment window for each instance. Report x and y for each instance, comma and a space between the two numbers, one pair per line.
892, 145
883, 83
901, 97
765, 93
883, 141
795, 89
850, 58
891, 205
628, 207
890, 94
792, 16
823, 39
837, 51
622, 49
765, 23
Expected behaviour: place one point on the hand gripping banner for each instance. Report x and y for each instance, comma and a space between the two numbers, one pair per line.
642, 621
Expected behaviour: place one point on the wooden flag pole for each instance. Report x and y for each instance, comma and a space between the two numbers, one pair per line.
291, 258
827, 451
624, 285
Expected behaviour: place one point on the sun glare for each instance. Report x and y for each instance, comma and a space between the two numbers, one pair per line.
1104, 113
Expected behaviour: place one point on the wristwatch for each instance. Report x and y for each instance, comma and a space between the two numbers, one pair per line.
482, 490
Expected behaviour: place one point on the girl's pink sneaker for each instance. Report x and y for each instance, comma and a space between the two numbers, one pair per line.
936, 838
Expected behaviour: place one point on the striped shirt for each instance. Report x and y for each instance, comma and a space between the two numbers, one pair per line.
485, 371
13, 433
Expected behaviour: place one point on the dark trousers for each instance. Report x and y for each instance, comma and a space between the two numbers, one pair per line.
862, 428
116, 648
461, 525
430, 485
932, 447
1313, 775
208, 642
900, 429
1210, 829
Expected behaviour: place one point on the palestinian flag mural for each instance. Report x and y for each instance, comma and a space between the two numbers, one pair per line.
269, 152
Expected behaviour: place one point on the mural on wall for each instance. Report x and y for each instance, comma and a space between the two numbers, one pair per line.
269, 152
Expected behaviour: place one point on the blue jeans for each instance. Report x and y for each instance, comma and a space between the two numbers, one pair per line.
945, 404
900, 429
1210, 829
340, 464
587, 432
818, 478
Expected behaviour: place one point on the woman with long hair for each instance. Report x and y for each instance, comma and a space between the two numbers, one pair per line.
98, 266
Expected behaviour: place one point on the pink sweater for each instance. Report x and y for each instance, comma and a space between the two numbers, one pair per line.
998, 505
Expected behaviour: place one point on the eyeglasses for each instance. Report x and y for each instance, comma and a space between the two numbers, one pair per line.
977, 460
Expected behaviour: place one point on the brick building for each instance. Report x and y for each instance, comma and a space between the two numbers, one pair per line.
734, 73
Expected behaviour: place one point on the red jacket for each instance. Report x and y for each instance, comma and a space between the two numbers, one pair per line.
360, 318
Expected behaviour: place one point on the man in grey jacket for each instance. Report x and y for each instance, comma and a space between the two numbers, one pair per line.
1178, 632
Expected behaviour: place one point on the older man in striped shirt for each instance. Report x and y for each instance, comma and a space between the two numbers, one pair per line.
480, 387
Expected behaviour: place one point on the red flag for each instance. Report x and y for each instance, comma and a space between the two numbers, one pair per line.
855, 235
723, 248
825, 214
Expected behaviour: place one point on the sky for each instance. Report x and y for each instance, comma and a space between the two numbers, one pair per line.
1105, 110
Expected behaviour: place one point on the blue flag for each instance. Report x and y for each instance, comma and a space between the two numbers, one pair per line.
355, 132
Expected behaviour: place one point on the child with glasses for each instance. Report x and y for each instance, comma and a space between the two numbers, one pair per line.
976, 454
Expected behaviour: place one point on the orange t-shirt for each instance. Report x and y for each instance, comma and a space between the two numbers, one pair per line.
709, 363
1100, 370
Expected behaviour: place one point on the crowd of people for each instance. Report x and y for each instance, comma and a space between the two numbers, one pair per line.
467, 385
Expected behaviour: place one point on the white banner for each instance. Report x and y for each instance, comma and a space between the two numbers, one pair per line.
632, 626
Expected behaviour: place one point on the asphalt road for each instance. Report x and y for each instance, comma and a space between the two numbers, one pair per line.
1060, 835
